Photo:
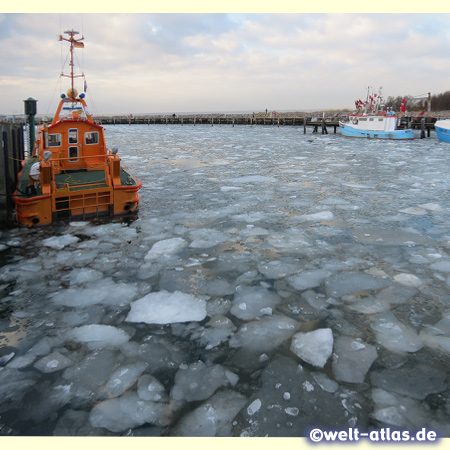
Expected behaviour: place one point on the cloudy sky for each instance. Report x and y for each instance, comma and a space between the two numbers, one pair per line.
178, 62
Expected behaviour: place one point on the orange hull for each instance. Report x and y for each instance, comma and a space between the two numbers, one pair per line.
78, 205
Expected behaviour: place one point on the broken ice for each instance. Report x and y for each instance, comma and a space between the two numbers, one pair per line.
271, 282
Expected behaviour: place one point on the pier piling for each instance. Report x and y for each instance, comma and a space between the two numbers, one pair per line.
13, 150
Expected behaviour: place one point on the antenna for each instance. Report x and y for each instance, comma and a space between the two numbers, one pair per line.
73, 43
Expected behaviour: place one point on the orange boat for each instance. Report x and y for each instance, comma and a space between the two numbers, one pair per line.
71, 174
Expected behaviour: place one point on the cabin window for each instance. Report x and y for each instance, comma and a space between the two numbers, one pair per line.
91, 137
73, 154
54, 140
370, 120
363, 119
380, 119
73, 136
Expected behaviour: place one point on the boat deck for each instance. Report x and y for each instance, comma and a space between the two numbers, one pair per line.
78, 180
71, 181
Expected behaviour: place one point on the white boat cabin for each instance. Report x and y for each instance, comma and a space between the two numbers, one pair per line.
373, 123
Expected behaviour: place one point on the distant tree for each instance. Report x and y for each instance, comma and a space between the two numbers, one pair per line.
393, 103
439, 102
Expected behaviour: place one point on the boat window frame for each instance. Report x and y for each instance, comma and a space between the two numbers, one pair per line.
72, 157
96, 133
49, 142
70, 133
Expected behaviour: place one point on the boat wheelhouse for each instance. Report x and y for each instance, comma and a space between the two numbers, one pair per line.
71, 174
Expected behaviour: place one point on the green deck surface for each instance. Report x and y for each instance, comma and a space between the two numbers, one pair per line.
82, 180
75, 180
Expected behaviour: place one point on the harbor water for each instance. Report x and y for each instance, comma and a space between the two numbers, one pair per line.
272, 282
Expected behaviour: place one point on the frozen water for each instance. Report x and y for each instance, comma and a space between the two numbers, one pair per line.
181, 321
59, 242
417, 383
127, 411
350, 282
270, 412
394, 335
264, 334
167, 307
217, 330
352, 359
122, 379
212, 418
324, 382
206, 238
107, 292
99, 336
165, 248
317, 217
53, 362
399, 411
308, 279
150, 389
314, 347
252, 302
199, 381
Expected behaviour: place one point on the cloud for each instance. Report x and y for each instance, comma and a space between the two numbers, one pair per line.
186, 62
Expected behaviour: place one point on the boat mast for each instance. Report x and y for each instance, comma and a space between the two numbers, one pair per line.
366, 106
73, 43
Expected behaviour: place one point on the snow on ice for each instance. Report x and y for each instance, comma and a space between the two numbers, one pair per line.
167, 307
272, 282
314, 347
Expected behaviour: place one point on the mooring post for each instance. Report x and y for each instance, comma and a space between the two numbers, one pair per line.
422, 128
304, 125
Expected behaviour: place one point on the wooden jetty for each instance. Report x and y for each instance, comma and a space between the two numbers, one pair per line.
317, 124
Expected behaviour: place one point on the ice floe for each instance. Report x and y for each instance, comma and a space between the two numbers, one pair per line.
167, 307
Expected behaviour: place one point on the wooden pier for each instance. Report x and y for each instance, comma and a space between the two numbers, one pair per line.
316, 124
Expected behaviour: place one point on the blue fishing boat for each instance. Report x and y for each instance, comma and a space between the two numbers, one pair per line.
442, 128
370, 121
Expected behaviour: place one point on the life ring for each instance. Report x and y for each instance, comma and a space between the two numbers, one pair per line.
355, 121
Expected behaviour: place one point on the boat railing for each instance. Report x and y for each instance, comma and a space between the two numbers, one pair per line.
107, 156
